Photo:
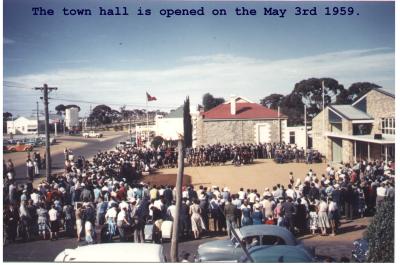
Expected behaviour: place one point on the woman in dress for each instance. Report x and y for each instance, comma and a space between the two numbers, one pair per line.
78, 218
246, 213
257, 215
323, 221
197, 222
333, 215
313, 218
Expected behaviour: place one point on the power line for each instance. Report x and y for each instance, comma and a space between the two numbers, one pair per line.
102, 103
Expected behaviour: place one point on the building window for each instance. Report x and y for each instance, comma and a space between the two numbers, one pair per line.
388, 125
292, 137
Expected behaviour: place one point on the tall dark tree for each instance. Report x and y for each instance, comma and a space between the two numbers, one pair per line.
187, 124
355, 91
272, 101
293, 107
101, 114
60, 109
210, 102
72, 106
6, 117
310, 91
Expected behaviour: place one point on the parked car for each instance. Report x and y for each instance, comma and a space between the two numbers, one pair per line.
20, 147
359, 253
92, 134
251, 236
114, 252
278, 254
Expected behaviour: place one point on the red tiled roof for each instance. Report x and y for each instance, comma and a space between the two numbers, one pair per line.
244, 111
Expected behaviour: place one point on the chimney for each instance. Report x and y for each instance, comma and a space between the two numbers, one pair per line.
233, 105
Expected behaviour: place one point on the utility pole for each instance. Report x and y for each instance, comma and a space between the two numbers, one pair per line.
279, 124
305, 124
45, 89
179, 177
37, 117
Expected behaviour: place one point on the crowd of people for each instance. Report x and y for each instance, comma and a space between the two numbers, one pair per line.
103, 195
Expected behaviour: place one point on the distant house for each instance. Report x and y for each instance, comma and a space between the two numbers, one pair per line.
240, 121
29, 125
362, 130
22, 125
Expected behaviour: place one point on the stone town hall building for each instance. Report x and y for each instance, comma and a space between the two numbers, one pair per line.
240, 121
362, 130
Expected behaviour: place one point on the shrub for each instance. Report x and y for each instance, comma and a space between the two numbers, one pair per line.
380, 234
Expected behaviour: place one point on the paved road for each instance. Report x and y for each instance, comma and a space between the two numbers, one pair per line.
91, 147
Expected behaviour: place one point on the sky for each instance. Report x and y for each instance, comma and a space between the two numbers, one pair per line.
115, 60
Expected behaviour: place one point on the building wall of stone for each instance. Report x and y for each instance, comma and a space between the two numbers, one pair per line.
379, 106
347, 151
318, 130
234, 131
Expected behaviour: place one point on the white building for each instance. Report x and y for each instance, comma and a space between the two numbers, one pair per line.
22, 125
71, 117
296, 135
171, 126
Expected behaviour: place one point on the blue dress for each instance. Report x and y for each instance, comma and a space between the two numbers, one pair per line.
246, 219
257, 218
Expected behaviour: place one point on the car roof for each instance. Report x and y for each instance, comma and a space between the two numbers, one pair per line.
264, 229
113, 252
279, 253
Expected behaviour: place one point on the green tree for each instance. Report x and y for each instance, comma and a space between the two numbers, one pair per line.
101, 114
72, 106
355, 91
272, 101
6, 117
311, 93
380, 234
187, 124
60, 109
210, 102
157, 141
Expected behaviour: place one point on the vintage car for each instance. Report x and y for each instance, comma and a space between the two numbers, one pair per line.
19, 147
114, 252
251, 236
92, 134
278, 254
359, 252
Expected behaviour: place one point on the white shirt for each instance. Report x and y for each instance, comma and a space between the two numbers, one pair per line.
112, 213
290, 193
332, 206
123, 204
53, 215
242, 195
381, 191
35, 198
121, 216
252, 197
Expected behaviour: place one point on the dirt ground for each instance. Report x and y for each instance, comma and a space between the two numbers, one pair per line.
266, 173
260, 175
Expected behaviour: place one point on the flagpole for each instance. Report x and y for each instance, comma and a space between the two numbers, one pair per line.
323, 107
147, 118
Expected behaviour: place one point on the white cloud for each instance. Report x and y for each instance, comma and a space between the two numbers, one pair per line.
221, 75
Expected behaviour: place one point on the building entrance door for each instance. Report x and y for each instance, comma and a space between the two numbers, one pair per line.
264, 133
336, 150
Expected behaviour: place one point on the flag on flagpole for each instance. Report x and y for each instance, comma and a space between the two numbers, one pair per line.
150, 98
